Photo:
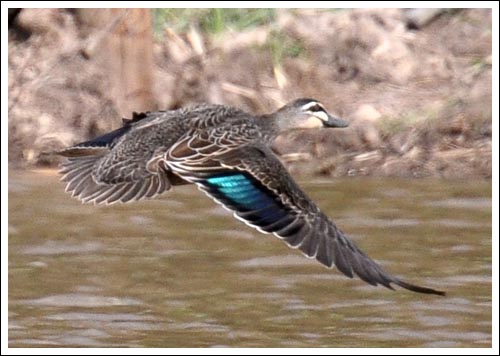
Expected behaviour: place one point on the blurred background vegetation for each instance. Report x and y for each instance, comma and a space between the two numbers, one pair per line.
210, 21
414, 84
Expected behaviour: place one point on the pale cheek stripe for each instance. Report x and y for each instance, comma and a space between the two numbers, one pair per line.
311, 123
321, 116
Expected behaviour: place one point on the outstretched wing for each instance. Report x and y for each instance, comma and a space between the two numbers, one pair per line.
252, 183
82, 182
109, 169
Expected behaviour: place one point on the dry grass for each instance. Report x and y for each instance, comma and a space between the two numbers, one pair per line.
419, 102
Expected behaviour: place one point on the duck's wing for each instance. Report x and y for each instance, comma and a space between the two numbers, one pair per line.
119, 166
252, 183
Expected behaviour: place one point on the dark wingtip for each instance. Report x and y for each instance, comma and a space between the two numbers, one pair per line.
81, 151
419, 289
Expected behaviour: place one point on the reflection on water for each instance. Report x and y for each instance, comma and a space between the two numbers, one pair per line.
180, 272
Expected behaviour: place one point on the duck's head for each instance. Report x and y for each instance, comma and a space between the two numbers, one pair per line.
306, 114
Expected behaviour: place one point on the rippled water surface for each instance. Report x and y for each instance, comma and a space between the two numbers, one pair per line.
179, 271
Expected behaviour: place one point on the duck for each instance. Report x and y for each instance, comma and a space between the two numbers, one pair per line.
227, 153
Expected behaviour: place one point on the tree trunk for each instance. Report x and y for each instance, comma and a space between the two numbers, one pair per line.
121, 40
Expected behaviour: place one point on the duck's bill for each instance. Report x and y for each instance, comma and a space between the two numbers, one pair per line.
335, 122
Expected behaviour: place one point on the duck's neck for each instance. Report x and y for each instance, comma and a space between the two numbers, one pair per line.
269, 125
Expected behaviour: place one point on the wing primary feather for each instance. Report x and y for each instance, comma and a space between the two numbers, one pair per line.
280, 224
294, 240
289, 231
418, 289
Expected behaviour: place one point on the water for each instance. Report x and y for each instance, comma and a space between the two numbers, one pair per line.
181, 272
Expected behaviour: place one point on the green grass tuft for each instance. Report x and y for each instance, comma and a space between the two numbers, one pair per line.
212, 21
283, 45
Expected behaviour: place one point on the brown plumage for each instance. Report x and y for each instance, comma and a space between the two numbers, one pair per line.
225, 152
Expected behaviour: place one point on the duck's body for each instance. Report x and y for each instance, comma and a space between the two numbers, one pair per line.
225, 152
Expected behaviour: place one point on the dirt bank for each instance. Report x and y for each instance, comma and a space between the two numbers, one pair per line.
418, 100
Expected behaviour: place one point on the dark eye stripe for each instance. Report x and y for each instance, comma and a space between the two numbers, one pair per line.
316, 108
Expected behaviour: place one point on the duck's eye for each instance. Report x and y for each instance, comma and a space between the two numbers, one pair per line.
316, 108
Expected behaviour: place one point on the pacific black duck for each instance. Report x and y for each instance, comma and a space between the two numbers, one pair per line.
226, 153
